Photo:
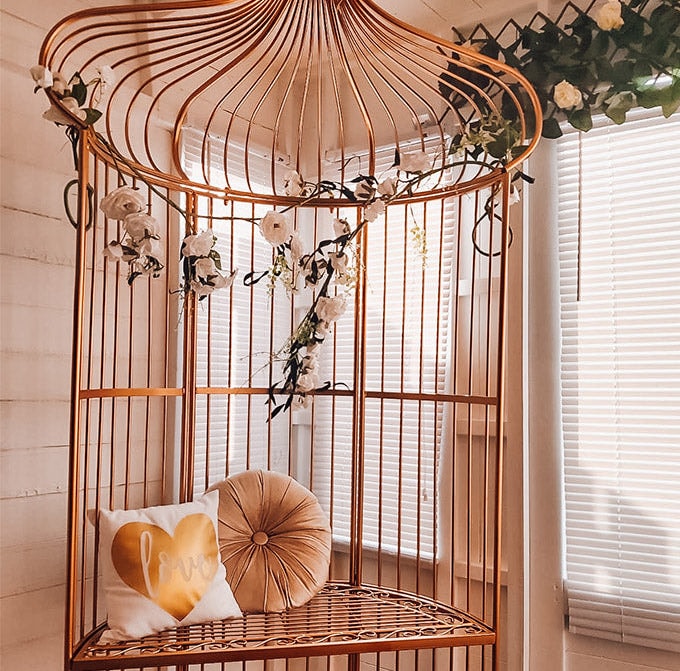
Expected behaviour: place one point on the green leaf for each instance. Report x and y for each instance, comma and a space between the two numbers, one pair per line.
598, 47
623, 72
92, 115
536, 73
616, 114
642, 69
673, 102
604, 70
78, 89
490, 48
581, 119
651, 96
551, 128
518, 150
511, 59
618, 105
670, 107
664, 20
633, 28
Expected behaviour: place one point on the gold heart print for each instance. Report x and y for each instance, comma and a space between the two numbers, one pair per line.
173, 571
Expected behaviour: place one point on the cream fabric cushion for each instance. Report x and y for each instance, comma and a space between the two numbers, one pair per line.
161, 568
275, 540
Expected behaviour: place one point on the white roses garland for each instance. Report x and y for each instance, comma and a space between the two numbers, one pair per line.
202, 265
608, 17
142, 249
140, 245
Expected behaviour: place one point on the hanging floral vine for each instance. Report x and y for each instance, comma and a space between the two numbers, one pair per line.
607, 59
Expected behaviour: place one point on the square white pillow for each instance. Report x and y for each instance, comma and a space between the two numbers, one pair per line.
161, 568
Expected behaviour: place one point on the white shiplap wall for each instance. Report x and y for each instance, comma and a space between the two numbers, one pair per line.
36, 249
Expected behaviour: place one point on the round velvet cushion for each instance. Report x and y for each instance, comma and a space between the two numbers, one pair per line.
274, 539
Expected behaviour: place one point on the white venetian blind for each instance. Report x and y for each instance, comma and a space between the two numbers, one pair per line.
619, 237
232, 434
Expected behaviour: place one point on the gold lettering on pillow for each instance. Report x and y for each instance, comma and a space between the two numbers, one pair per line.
173, 571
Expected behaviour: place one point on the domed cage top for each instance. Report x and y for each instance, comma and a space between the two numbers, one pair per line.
263, 87
392, 154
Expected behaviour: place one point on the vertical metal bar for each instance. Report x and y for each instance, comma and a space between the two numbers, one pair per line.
357, 504
500, 412
114, 372
381, 437
230, 340
76, 373
186, 480
208, 374
166, 359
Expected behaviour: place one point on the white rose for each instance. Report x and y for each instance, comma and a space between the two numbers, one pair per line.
364, 190
310, 363
330, 308
340, 227
388, 187
201, 289
138, 224
121, 202
42, 76
307, 382
293, 184
566, 95
56, 114
296, 249
608, 17
59, 85
416, 161
205, 267
276, 228
322, 329
198, 245
338, 261
101, 84
223, 281
151, 247
71, 104
113, 251
373, 210
145, 265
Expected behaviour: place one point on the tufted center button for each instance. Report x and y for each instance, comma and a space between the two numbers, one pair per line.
260, 538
